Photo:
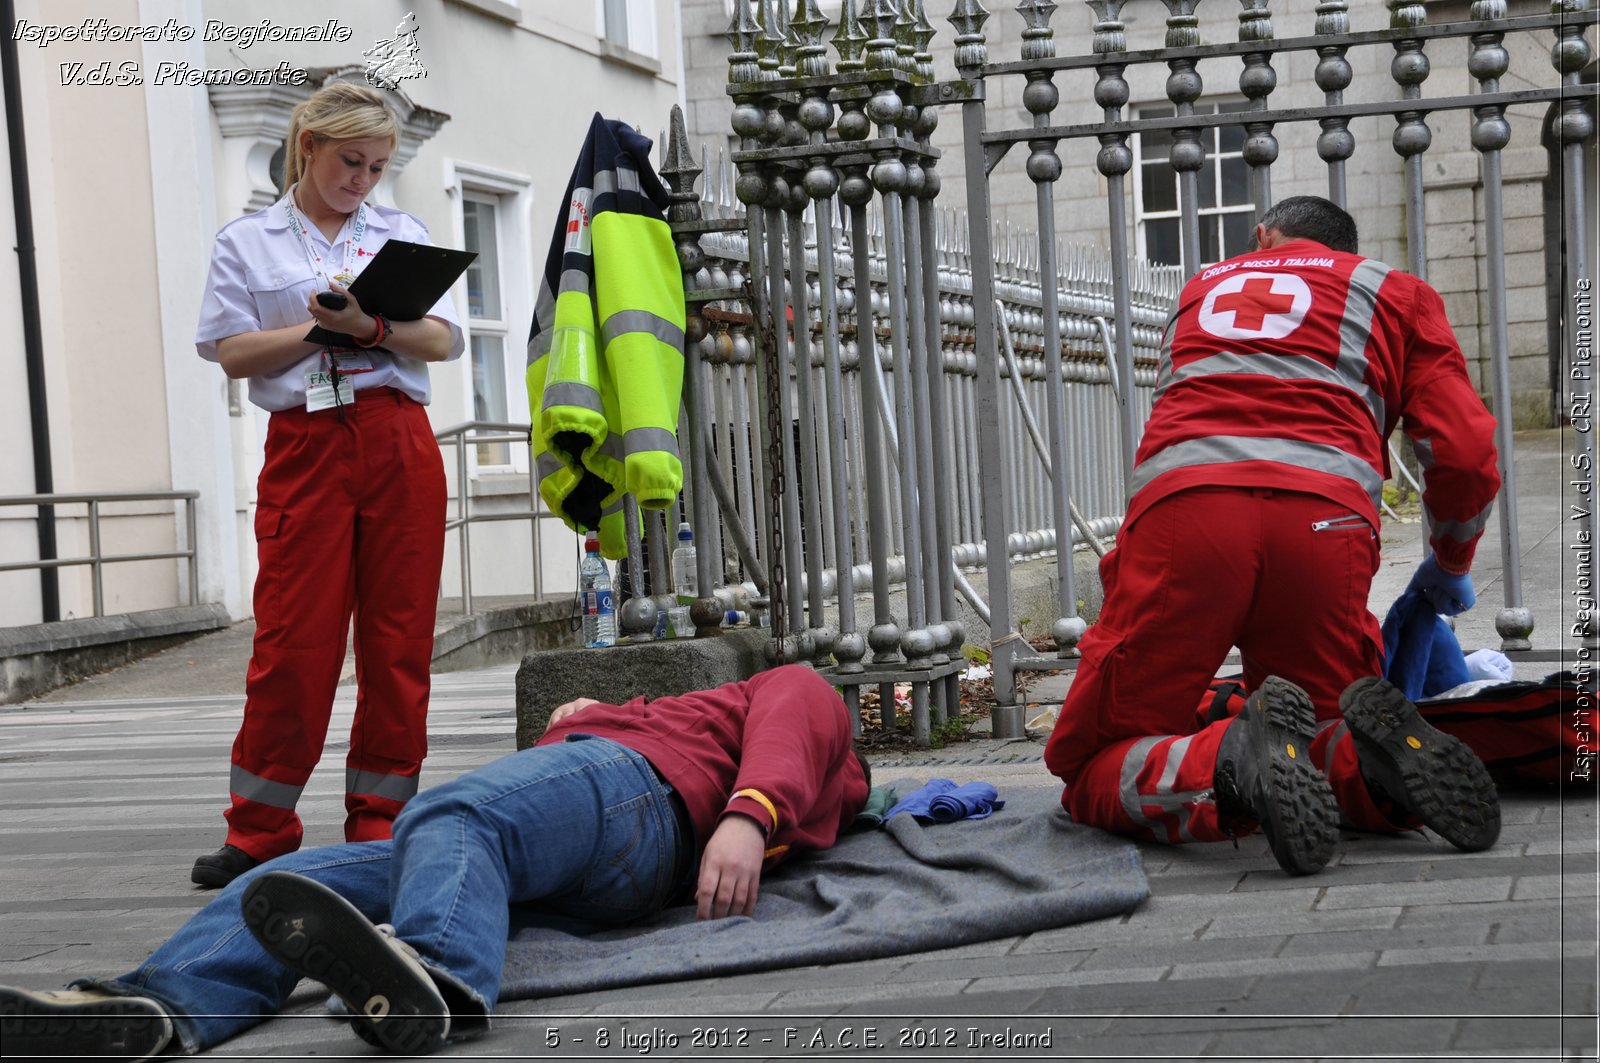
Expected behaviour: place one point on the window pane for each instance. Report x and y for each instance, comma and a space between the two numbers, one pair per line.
1235, 182
483, 276
617, 22
1207, 184
1156, 144
1159, 185
1210, 248
489, 393
1161, 241
1231, 139
1236, 231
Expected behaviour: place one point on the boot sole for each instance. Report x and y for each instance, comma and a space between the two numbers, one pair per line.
313, 931
1302, 815
132, 1028
1434, 775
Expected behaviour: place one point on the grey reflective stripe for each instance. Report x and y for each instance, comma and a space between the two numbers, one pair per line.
544, 321
1221, 450
1171, 803
253, 787
1340, 729
1355, 329
575, 280
615, 507
624, 177
571, 393
1129, 786
1281, 367
1424, 449
612, 448
654, 440
379, 784
548, 464
1175, 755
1460, 530
626, 322
544, 308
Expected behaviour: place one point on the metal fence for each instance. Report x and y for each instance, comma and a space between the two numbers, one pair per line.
852, 402
97, 559
483, 434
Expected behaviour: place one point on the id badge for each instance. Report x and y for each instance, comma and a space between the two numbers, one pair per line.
320, 394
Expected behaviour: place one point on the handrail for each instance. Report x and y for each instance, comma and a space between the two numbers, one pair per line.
460, 436
97, 560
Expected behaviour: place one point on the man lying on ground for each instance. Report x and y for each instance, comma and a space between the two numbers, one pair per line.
607, 818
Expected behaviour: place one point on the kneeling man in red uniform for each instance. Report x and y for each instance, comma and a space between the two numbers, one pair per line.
1254, 523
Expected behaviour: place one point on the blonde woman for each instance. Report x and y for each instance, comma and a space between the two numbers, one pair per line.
351, 499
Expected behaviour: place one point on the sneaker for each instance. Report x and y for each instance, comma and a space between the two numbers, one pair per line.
1264, 775
81, 1023
1422, 771
215, 870
314, 932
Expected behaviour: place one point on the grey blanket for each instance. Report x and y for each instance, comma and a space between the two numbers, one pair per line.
906, 887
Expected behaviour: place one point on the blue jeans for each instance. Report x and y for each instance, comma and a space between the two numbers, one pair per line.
584, 827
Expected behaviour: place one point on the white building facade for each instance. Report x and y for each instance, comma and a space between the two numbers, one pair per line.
134, 161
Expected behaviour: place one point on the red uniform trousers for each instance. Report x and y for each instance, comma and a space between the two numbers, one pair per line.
1197, 573
350, 517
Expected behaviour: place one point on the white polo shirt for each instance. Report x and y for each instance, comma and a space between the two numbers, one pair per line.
260, 279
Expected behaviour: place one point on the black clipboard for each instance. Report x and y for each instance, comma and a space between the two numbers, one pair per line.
402, 282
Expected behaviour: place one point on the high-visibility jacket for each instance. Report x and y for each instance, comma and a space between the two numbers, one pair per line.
1289, 367
605, 356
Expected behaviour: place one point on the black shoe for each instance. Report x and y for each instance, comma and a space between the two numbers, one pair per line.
313, 931
1422, 771
81, 1024
215, 870
1264, 774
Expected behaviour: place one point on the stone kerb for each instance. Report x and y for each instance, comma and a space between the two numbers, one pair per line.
549, 678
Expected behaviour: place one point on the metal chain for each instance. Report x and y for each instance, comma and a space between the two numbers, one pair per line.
775, 481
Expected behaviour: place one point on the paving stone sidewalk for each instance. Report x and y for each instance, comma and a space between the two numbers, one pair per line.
1401, 948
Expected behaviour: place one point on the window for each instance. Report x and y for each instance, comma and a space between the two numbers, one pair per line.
1227, 214
630, 25
493, 213
480, 225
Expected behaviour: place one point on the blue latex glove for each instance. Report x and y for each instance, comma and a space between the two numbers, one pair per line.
1449, 595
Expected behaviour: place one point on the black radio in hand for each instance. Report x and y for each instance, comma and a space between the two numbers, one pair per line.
333, 300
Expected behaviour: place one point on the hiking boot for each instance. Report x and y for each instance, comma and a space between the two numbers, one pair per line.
215, 870
313, 931
1264, 775
81, 1024
1422, 771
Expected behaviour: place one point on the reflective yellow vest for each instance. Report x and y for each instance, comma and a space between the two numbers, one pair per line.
605, 356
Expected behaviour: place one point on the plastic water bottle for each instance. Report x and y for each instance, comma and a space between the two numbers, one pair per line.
683, 566
599, 609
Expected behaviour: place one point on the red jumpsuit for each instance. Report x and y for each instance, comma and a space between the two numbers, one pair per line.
349, 523
1254, 523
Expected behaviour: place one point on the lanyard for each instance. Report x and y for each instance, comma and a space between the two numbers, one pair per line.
352, 242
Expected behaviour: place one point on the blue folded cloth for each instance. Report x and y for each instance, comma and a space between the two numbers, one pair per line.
1421, 654
944, 802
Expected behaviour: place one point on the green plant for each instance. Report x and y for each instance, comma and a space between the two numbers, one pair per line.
975, 654
951, 730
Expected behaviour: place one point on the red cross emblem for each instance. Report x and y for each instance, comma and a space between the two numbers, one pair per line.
1255, 306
